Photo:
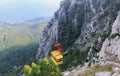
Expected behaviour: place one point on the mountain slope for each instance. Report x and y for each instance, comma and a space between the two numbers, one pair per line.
78, 25
15, 34
108, 61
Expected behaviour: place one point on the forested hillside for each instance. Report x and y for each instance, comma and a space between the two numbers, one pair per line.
13, 59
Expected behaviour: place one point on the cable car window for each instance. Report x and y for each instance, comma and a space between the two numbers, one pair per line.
59, 60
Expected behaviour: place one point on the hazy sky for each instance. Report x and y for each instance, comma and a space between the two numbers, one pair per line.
20, 10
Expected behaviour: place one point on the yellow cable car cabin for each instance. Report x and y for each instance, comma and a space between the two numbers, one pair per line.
57, 56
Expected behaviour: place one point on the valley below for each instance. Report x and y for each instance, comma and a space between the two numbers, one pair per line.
19, 44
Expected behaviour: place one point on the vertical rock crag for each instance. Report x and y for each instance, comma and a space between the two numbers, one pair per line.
78, 24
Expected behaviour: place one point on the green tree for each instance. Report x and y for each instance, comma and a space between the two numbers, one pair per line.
42, 68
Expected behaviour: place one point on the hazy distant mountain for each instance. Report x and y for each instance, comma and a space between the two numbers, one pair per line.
15, 34
40, 19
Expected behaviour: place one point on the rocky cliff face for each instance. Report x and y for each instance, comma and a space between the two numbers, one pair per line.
111, 46
78, 24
